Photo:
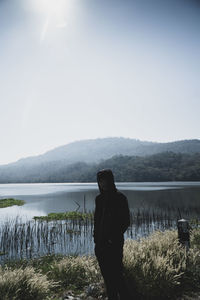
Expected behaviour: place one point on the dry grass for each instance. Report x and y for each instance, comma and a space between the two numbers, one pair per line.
76, 272
23, 284
159, 268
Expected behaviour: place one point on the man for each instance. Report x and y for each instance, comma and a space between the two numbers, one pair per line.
111, 220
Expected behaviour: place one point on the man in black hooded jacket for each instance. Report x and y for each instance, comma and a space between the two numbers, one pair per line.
111, 220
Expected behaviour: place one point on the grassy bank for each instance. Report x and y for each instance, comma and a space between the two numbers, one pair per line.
10, 202
156, 267
71, 215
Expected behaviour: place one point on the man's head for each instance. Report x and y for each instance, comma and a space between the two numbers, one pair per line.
105, 180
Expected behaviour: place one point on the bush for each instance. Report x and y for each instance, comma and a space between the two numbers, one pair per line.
23, 284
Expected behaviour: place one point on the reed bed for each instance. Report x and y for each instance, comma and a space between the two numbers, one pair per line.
72, 235
36, 238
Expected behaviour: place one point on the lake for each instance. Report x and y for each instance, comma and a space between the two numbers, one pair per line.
153, 206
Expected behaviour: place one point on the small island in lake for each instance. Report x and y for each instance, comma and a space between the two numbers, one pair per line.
10, 202
70, 215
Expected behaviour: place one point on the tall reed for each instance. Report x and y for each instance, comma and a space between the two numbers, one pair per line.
71, 236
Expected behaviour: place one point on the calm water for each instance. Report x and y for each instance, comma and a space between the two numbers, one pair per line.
153, 206
42, 199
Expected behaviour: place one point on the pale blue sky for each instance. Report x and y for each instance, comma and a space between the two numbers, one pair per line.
79, 69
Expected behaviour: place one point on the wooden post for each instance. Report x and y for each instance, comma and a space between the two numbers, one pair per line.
184, 233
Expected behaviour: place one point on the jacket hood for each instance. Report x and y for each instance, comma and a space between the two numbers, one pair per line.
106, 174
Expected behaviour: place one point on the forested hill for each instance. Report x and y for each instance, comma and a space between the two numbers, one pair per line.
94, 150
166, 166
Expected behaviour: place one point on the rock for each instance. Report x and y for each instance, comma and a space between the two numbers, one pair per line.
94, 290
69, 296
72, 298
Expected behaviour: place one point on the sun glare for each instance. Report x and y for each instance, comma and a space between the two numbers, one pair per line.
56, 14
57, 7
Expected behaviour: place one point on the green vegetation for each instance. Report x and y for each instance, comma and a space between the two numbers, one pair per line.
156, 267
166, 166
10, 202
71, 215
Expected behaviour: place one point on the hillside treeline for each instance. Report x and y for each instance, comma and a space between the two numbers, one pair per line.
166, 166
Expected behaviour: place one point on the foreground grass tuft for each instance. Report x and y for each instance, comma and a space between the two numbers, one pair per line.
76, 272
23, 284
10, 202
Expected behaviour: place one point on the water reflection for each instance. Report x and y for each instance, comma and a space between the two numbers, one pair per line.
153, 206
35, 238
42, 199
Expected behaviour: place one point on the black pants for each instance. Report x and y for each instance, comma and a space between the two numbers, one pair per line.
110, 262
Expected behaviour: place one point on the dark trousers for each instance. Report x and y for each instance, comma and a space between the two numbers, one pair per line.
110, 262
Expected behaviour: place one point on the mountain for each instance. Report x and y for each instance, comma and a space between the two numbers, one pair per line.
94, 150
165, 166
89, 151
83, 155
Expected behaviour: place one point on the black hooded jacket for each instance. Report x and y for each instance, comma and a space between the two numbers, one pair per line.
112, 217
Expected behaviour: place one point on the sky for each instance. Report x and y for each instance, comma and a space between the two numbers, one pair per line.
84, 69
